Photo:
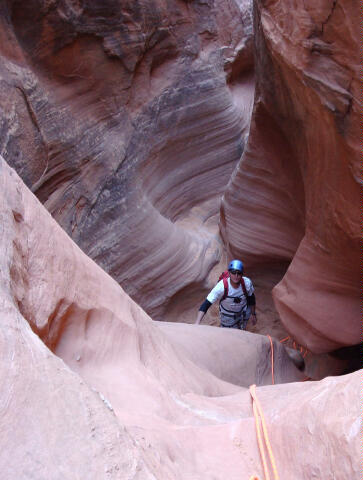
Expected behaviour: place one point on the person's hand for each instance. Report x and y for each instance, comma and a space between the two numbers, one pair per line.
254, 319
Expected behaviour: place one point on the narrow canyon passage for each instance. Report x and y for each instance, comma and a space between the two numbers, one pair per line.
143, 145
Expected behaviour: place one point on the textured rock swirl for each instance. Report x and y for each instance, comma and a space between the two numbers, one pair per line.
295, 195
121, 117
128, 401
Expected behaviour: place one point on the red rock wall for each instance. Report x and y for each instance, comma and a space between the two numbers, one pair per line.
124, 399
295, 195
121, 116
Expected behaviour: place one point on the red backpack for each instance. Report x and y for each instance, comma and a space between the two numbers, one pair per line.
224, 276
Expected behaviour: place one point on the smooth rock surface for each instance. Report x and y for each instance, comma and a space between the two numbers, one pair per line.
52, 424
238, 357
127, 402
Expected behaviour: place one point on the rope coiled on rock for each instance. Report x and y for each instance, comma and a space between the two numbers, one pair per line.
262, 437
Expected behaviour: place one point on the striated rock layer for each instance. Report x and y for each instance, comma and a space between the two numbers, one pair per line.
121, 117
128, 401
295, 194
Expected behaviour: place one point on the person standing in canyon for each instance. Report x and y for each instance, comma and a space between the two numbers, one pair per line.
237, 302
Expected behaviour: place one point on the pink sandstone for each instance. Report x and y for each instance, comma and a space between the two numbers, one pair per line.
123, 116
127, 120
299, 173
111, 396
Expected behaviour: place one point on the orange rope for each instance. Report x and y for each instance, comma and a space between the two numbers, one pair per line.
284, 339
272, 360
260, 441
260, 419
257, 412
303, 350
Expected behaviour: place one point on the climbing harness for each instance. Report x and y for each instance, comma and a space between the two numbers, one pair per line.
262, 438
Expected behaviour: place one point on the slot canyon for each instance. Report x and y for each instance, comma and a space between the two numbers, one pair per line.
143, 145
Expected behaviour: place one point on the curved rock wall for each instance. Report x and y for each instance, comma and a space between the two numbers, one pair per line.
121, 117
295, 195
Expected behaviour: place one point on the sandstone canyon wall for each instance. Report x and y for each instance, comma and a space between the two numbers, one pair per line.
301, 169
95, 389
121, 117
127, 119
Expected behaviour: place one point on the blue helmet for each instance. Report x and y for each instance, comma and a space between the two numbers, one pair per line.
235, 265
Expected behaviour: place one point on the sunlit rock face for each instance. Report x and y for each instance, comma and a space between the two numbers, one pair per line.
295, 194
92, 388
121, 116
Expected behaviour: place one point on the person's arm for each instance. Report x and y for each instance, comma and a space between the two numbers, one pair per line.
215, 294
202, 311
251, 302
